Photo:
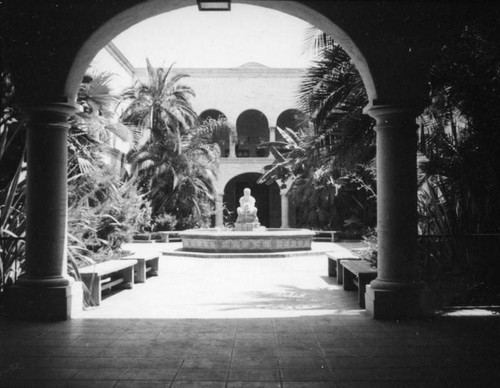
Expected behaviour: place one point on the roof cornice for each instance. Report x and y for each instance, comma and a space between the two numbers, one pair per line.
120, 58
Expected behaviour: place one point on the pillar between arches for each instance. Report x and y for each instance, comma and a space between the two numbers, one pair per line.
284, 210
396, 292
219, 208
232, 146
45, 290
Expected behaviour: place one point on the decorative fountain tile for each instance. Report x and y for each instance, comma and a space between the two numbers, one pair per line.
268, 240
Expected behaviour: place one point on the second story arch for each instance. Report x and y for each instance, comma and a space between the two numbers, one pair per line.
267, 199
293, 119
253, 128
222, 135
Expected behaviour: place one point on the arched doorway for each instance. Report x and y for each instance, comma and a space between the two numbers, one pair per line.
253, 129
216, 117
293, 119
267, 199
393, 74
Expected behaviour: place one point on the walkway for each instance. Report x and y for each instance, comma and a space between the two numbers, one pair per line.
246, 323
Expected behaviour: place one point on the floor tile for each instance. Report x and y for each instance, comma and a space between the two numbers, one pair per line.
257, 361
249, 331
198, 384
148, 374
253, 384
306, 374
201, 374
99, 374
262, 374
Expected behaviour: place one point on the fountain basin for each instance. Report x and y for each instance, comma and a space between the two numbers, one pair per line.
226, 241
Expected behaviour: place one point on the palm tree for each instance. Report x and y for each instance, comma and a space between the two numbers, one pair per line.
90, 133
333, 93
173, 158
459, 168
327, 162
159, 107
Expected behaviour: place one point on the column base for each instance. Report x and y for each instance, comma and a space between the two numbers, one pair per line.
43, 303
399, 304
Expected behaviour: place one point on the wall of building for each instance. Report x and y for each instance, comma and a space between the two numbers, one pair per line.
235, 90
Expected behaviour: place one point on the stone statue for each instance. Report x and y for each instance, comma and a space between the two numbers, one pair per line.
247, 213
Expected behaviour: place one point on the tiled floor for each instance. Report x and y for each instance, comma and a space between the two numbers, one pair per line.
260, 323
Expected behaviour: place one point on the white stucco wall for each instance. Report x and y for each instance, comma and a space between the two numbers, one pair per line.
235, 90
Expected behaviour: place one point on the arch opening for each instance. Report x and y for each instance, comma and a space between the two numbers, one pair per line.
267, 199
293, 119
253, 129
126, 19
215, 117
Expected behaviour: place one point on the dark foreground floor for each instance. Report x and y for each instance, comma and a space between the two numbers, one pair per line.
323, 351
263, 323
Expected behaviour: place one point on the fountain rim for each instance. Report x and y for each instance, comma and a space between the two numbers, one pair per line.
266, 233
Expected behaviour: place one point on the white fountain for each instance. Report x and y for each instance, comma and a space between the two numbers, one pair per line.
248, 235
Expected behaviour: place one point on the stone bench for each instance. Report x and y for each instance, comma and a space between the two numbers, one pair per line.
335, 265
146, 263
357, 274
108, 274
169, 236
327, 235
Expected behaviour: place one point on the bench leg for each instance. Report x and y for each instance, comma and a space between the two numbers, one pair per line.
361, 291
93, 283
128, 277
332, 268
154, 267
364, 280
340, 272
140, 271
348, 280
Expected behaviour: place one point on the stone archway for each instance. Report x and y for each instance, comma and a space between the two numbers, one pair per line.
224, 141
51, 57
267, 199
291, 118
253, 129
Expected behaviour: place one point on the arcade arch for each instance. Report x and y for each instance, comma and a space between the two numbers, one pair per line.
267, 199
293, 119
389, 59
223, 140
252, 127
211, 114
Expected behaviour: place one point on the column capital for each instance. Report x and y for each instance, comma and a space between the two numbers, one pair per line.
51, 113
393, 114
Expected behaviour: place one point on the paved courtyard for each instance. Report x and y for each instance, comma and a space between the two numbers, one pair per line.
277, 322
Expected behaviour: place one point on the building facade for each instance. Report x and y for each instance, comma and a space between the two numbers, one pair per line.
392, 44
255, 100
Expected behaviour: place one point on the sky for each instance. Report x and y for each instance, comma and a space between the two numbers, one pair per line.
191, 38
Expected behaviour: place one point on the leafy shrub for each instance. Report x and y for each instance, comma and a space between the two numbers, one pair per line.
12, 186
165, 222
104, 216
371, 253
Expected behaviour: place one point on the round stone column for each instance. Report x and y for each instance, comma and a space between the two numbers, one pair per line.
272, 134
44, 291
232, 147
219, 208
284, 211
395, 293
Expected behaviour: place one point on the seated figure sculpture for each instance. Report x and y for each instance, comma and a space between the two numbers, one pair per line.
247, 213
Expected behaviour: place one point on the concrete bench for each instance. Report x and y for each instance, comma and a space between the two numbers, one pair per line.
102, 276
146, 263
335, 265
357, 274
169, 236
326, 235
